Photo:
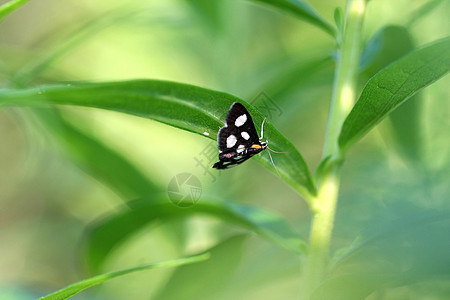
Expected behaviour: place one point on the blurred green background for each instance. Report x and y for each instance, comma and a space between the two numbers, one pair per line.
50, 195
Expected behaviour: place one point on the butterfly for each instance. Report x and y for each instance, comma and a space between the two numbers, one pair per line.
238, 140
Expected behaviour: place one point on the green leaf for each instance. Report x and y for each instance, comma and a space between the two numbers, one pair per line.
387, 45
214, 275
187, 107
322, 168
96, 158
405, 124
75, 288
10, 6
107, 234
301, 10
393, 85
339, 19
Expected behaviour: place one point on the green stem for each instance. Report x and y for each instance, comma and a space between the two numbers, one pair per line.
343, 98
323, 210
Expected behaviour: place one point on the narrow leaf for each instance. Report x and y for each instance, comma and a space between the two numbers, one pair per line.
387, 45
301, 10
183, 106
75, 288
10, 6
406, 130
339, 19
107, 234
392, 86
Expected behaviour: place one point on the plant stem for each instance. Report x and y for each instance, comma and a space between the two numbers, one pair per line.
324, 207
343, 98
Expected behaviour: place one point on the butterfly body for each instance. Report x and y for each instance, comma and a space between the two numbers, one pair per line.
237, 140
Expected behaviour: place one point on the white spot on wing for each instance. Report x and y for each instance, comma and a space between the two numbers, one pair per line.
245, 135
240, 149
231, 141
240, 120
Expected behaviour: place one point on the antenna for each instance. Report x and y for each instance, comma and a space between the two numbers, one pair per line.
262, 128
274, 150
262, 136
270, 155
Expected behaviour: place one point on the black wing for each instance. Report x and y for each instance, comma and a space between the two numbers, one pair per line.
239, 124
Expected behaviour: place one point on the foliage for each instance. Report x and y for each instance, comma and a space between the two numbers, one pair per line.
377, 200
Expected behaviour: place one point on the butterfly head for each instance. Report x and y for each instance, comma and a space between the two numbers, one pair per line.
257, 147
260, 143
